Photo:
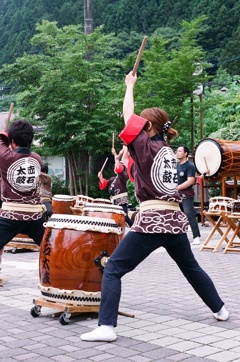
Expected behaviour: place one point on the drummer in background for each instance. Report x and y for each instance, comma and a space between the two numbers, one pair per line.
186, 174
46, 190
117, 185
21, 211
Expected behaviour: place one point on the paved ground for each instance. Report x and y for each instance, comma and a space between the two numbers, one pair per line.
171, 323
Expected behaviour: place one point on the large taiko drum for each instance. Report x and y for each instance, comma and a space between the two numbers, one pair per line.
221, 203
61, 204
113, 212
217, 156
71, 244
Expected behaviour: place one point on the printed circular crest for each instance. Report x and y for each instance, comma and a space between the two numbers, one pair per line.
23, 174
164, 171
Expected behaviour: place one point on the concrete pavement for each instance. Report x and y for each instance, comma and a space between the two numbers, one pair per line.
171, 323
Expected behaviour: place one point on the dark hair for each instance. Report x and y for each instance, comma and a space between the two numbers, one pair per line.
21, 132
185, 149
158, 117
44, 168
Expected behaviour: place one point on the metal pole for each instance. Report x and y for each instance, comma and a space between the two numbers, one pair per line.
201, 116
88, 19
192, 125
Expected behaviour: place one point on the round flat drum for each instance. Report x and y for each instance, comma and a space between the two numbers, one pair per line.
208, 155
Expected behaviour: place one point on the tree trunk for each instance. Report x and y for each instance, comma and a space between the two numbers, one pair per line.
87, 173
70, 175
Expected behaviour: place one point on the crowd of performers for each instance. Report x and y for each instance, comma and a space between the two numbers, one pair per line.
149, 161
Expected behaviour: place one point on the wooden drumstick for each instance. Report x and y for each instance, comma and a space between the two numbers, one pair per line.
104, 165
9, 116
135, 67
206, 163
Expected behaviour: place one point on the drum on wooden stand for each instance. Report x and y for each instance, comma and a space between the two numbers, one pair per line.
81, 200
61, 204
220, 203
71, 244
217, 156
113, 212
102, 201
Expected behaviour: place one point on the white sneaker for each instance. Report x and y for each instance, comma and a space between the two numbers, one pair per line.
196, 241
100, 334
222, 314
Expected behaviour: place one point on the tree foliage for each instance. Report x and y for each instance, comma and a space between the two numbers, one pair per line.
222, 117
72, 88
71, 91
219, 37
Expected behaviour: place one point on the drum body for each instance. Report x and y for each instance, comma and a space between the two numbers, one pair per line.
113, 212
61, 204
69, 247
217, 156
220, 203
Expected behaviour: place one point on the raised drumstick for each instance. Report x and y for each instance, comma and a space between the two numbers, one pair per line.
206, 163
9, 116
104, 165
135, 67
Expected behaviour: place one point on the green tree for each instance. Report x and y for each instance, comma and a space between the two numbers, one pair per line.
222, 117
71, 91
173, 69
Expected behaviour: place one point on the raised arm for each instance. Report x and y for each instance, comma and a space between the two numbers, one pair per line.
128, 102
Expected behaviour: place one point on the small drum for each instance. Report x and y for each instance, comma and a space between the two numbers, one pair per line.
220, 203
217, 156
113, 212
61, 204
102, 201
68, 251
82, 199
236, 207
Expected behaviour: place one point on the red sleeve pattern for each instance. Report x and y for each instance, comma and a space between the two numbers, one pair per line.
119, 168
133, 127
129, 169
103, 184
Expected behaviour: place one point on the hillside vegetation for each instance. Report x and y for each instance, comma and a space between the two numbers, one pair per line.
220, 35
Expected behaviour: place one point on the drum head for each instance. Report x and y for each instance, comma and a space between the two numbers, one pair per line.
208, 155
63, 197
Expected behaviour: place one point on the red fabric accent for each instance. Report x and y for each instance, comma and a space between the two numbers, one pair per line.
103, 184
132, 129
129, 169
119, 168
198, 180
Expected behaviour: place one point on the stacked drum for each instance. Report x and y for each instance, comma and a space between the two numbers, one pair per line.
74, 249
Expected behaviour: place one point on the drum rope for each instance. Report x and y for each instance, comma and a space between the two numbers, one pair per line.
83, 222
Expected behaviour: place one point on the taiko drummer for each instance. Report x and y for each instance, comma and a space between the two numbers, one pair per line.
160, 222
117, 185
21, 211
